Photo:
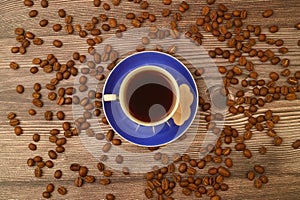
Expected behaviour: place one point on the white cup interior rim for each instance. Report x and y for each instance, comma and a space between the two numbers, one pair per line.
122, 93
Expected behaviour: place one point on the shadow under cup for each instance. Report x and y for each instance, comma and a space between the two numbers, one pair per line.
149, 95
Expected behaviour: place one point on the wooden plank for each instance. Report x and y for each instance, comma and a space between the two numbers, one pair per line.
16, 178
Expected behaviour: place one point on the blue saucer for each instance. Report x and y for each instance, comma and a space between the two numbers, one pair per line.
125, 127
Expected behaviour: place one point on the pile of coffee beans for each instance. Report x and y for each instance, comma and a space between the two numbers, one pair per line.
226, 26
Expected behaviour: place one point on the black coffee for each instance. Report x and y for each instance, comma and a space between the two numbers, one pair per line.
150, 96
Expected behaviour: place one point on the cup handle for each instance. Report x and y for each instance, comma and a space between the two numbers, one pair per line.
110, 97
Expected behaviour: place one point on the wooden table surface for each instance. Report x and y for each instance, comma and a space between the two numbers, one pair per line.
17, 180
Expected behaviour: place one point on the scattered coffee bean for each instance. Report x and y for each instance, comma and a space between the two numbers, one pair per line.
44, 3
262, 150
30, 162
14, 122
78, 182
57, 43
38, 172
264, 179
58, 174
28, 3
62, 190
14, 65
119, 159
110, 197
61, 13
11, 115
296, 144
75, 167
20, 89
105, 181
46, 195
259, 169
49, 163
223, 171
56, 27
33, 13
267, 13
258, 183
52, 154
116, 142
83, 171
60, 115
48, 115
32, 147
97, 3
50, 188
89, 179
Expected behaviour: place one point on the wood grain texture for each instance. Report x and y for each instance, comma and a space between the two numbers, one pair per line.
17, 180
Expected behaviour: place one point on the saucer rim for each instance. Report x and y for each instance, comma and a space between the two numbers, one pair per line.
191, 119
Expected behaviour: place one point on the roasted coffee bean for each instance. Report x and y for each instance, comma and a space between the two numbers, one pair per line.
83, 170
60, 115
62, 190
182, 168
48, 115
14, 65
20, 89
267, 13
52, 154
38, 172
247, 153
110, 196
56, 27
37, 41
46, 195
74, 167
32, 147
61, 13
59, 149
101, 166
106, 6
262, 150
297, 26
264, 179
37, 159
61, 141
277, 141
116, 142
223, 171
105, 181
58, 174
107, 173
125, 171
119, 159
50, 188
89, 179
28, 3
30, 162
11, 115
296, 144
259, 169
33, 13
44, 3
258, 183
41, 164
57, 43
18, 130
228, 162
148, 193
78, 182
97, 3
